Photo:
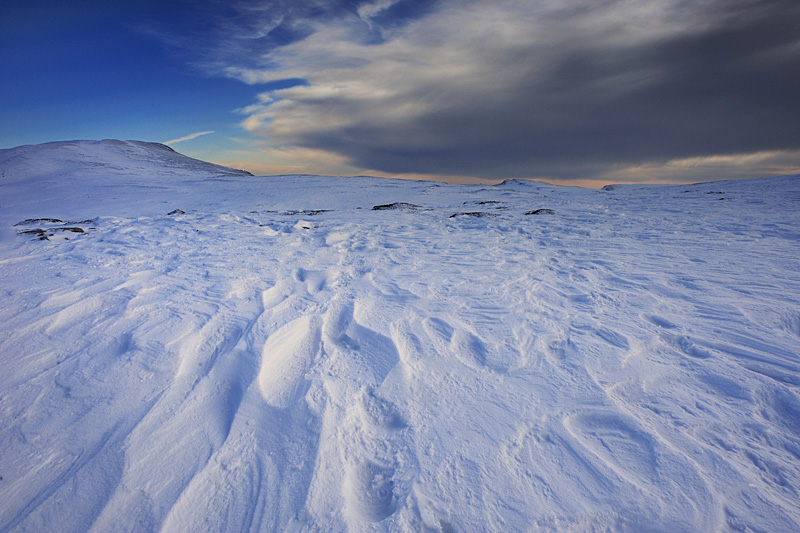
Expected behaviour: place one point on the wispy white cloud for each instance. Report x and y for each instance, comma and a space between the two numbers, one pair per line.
187, 137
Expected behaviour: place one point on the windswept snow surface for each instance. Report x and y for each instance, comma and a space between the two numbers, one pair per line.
278, 355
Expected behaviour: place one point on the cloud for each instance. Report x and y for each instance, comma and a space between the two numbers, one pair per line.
526, 88
187, 137
715, 167
261, 158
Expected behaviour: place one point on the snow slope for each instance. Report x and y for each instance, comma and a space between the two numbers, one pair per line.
279, 355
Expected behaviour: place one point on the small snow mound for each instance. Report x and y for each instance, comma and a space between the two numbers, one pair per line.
285, 358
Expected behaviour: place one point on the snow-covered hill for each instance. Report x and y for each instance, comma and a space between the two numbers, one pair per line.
121, 158
188, 348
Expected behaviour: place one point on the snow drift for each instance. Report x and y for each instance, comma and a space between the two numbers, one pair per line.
207, 350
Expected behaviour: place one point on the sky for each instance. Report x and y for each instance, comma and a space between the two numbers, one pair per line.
582, 92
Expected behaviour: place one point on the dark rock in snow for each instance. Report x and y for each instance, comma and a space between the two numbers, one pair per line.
177, 212
541, 212
31, 221
397, 205
39, 233
307, 212
476, 214
44, 234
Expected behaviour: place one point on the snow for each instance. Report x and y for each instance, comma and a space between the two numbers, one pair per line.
278, 355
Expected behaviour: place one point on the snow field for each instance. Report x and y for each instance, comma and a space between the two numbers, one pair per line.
629, 362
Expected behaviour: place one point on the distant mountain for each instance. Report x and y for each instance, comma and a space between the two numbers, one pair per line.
102, 157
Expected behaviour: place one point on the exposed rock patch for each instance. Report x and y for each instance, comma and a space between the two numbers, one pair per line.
45, 233
475, 214
397, 205
307, 212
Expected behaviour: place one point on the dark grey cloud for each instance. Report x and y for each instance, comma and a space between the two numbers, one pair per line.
562, 89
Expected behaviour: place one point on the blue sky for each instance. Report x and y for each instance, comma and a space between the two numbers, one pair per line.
90, 70
463, 90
